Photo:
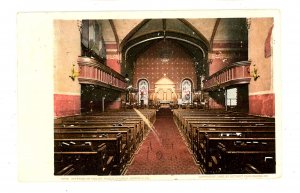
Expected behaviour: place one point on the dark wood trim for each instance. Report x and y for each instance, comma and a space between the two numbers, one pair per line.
214, 32
228, 83
99, 83
86, 61
164, 24
242, 80
241, 63
189, 25
113, 27
132, 32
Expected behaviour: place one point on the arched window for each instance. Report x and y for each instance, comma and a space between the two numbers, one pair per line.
186, 89
143, 92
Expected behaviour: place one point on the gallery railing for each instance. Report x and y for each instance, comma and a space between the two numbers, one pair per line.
236, 73
93, 72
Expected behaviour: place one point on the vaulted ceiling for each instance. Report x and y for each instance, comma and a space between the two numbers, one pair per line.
206, 26
153, 30
124, 26
196, 36
150, 31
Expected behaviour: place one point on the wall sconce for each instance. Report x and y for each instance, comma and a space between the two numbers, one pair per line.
255, 73
74, 73
127, 78
218, 83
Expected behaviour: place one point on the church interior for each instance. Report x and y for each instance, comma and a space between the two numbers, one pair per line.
164, 96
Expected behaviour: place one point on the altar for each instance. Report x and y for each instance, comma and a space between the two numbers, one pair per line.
165, 103
165, 91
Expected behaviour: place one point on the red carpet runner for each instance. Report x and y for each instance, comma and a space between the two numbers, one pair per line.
166, 155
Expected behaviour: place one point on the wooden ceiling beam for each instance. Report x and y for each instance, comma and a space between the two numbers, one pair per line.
214, 32
113, 27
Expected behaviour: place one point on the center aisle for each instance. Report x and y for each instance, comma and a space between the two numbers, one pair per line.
165, 154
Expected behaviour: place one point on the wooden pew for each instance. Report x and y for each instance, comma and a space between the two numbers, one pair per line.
137, 131
200, 132
98, 127
217, 153
127, 148
113, 147
220, 119
211, 120
234, 157
202, 128
113, 120
117, 116
129, 137
73, 160
194, 134
180, 117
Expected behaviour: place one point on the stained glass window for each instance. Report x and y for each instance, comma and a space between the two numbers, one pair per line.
186, 88
143, 92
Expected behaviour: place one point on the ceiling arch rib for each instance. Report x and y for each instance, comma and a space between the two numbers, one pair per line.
173, 37
113, 27
107, 31
151, 31
214, 32
197, 32
132, 32
189, 42
140, 42
162, 25
203, 25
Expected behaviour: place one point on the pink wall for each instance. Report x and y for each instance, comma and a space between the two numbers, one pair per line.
112, 61
214, 105
216, 65
66, 105
262, 105
114, 64
225, 53
112, 57
149, 65
114, 105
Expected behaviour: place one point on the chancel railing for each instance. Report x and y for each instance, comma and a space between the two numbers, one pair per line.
236, 73
93, 72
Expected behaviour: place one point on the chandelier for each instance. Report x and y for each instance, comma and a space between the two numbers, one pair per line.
166, 53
